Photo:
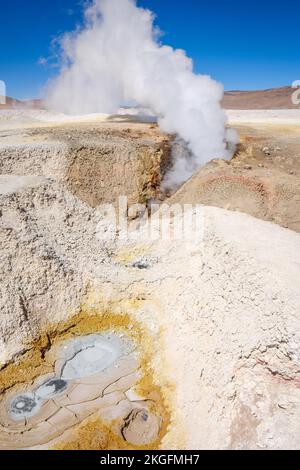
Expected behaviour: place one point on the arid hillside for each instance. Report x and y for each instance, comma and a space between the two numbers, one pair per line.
10, 103
274, 98
14, 103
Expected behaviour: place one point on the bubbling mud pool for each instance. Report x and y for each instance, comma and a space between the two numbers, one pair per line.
93, 377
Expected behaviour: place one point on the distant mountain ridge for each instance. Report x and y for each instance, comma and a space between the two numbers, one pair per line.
10, 103
14, 103
273, 98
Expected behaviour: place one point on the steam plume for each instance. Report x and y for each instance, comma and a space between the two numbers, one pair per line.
117, 57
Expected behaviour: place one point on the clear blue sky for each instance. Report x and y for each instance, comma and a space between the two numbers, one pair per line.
244, 44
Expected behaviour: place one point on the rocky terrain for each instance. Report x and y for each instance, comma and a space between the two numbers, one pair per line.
84, 156
263, 178
196, 340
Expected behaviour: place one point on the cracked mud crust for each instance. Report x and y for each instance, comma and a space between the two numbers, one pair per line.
88, 412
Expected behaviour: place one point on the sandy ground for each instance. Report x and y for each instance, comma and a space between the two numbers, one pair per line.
215, 317
266, 116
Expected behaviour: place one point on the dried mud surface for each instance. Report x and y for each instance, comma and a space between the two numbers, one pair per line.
126, 409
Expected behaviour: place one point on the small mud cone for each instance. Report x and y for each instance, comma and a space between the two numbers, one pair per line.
141, 428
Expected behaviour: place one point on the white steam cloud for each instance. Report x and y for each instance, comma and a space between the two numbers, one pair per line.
117, 57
